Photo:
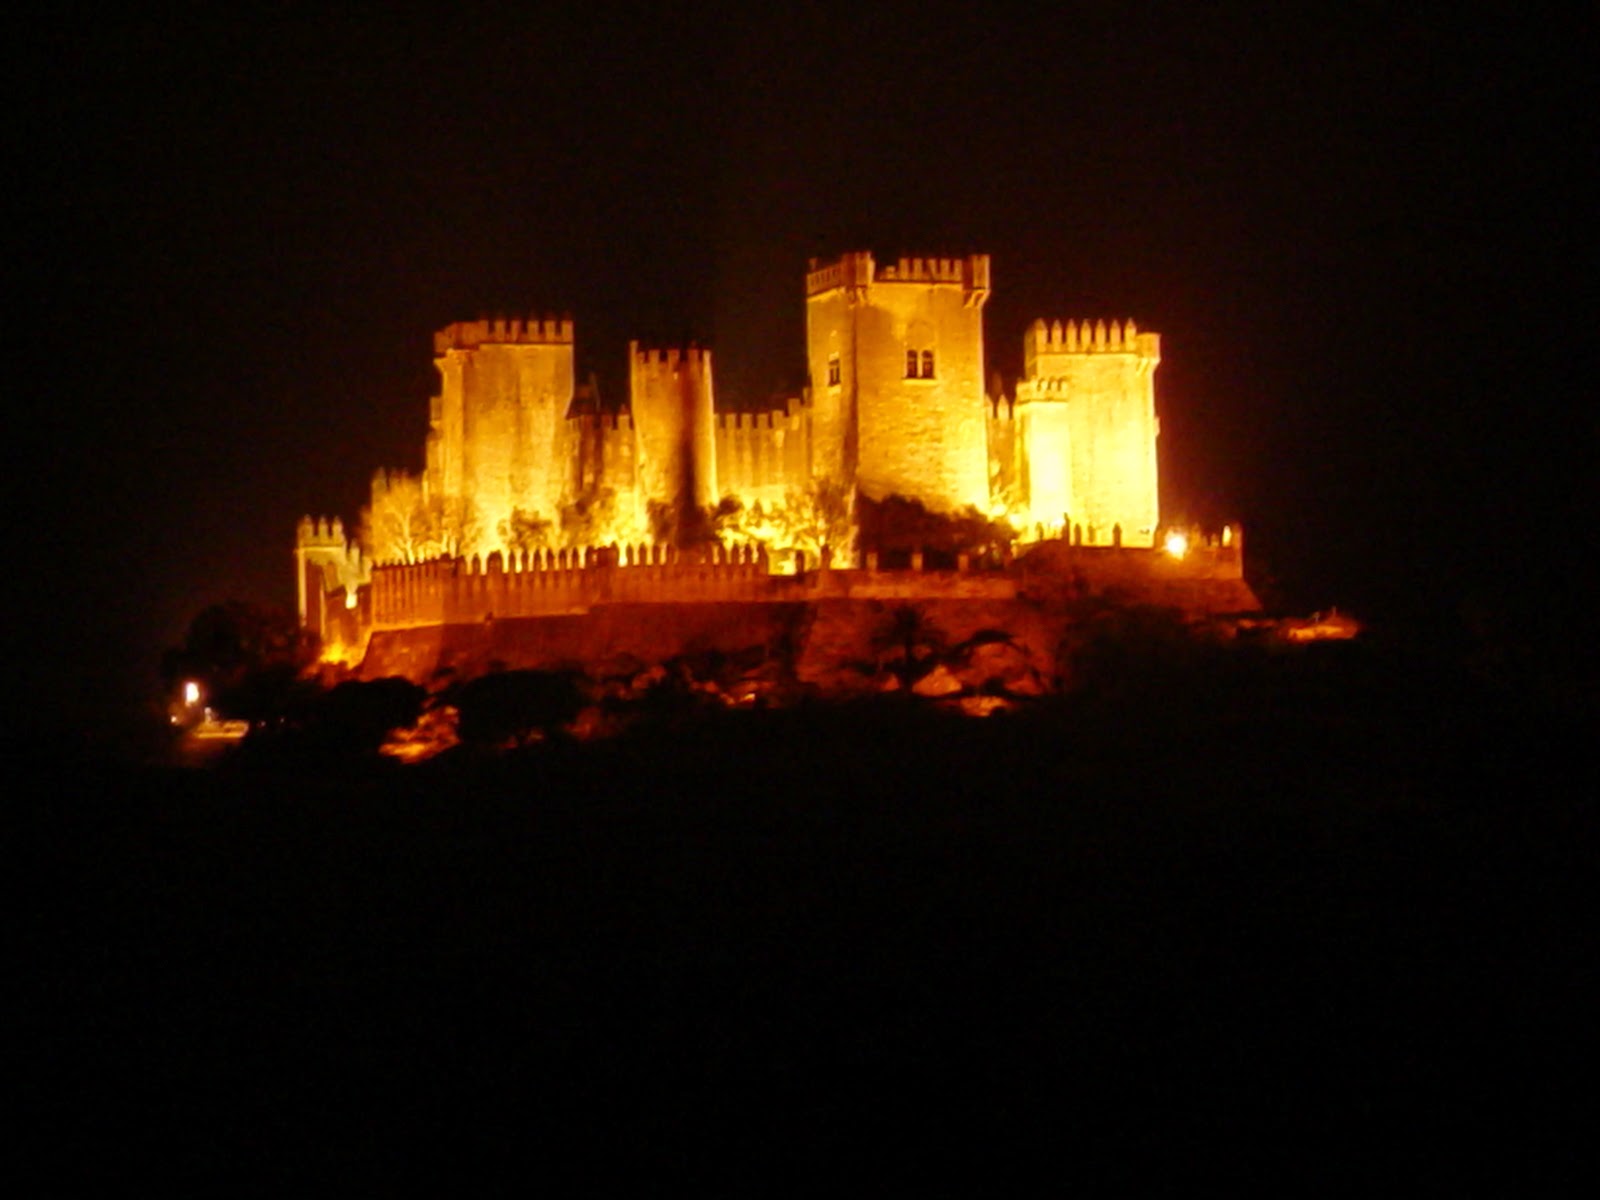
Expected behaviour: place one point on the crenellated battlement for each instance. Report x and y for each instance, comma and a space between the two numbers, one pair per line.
496, 587
1095, 337
330, 571
583, 558
898, 404
1177, 553
853, 269
454, 591
858, 269
971, 272
691, 357
503, 331
766, 420
762, 455
321, 533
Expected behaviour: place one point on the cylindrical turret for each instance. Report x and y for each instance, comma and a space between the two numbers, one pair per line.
670, 393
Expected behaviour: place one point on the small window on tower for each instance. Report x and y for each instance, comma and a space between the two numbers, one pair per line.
927, 364
833, 370
911, 364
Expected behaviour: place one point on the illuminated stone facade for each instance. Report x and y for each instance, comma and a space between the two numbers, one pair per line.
523, 460
896, 406
1084, 452
896, 361
498, 427
538, 502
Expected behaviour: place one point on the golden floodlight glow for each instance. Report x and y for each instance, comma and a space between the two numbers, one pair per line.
531, 490
191, 692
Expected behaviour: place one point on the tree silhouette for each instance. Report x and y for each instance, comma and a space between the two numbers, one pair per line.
398, 526
907, 630
356, 717
507, 708
810, 519
1120, 651
595, 518
525, 531
897, 523
404, 524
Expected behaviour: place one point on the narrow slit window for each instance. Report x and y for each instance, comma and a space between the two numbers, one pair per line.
833, 370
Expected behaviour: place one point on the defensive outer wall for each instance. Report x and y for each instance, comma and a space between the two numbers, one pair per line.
397, 622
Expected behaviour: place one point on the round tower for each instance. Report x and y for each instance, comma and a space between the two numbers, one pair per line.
670, 393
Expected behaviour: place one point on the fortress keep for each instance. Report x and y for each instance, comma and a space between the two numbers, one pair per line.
527, 472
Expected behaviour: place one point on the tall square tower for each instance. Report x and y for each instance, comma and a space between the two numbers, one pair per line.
496, 430
1087, 423
896, 360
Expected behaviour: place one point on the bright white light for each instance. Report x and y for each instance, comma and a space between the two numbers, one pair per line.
349, 599
1177, 544
191, 693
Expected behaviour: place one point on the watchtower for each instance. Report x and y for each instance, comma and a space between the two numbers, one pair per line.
325, 561
896, 359
496, 427
1087, 422
670, 394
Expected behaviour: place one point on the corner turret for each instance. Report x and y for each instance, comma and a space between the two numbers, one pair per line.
1087, 428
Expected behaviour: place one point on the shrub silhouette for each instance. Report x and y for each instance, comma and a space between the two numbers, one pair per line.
357, 717
507, 708
1119, 651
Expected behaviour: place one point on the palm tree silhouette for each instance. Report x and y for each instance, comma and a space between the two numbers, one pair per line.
908, 630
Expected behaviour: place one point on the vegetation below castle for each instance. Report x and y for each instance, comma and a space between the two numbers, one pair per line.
894, 656
1334, 896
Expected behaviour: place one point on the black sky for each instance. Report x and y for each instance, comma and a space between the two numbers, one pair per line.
1355, 229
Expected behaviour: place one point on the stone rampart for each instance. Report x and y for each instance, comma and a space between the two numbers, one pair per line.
1208, 578
330, 574
671, 396
549, 583
573, 582
761, 455
650, 604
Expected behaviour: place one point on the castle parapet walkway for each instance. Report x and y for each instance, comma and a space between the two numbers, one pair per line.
467, 591
452, 591
459, 591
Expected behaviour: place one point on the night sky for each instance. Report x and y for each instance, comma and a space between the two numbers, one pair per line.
1354, 228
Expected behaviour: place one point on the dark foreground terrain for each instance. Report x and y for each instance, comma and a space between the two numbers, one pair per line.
1322, 923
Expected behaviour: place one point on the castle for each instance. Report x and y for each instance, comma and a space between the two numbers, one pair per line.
526, 473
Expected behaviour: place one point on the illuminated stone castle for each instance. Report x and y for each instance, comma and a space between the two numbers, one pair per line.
898, 403
525, 467
896, 406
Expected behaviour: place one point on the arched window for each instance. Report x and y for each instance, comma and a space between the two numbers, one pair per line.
911, 364
927, 364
